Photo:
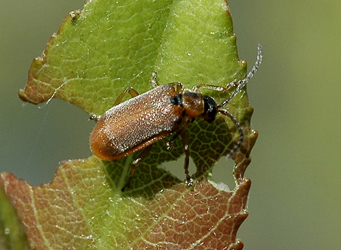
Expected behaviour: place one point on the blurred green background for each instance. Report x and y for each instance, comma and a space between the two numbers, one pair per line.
295, 200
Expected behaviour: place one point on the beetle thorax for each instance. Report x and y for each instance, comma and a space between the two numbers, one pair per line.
193, 103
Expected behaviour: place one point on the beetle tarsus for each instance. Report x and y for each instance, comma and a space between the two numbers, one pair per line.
94, 117
127, 185
169, 145
189, 182
153, 80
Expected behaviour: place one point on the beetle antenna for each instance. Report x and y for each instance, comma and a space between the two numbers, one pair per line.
254, 68
241, 83
240, 130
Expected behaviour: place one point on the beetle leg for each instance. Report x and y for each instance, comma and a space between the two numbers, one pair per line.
130, 90
216, 88
179, 132
135, 163
178, 86
182, 133
236, 83
185, 143
94, 117
153, 80
155, 84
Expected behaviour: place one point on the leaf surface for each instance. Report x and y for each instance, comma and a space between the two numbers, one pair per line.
96, 54
81, 208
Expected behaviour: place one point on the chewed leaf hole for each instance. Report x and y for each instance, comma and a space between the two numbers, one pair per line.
176, 168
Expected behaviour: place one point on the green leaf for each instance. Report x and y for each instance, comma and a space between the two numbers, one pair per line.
96, 54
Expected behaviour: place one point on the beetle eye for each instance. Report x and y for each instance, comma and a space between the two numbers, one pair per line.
210, 109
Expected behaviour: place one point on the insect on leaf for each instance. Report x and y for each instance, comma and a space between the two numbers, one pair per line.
96, 54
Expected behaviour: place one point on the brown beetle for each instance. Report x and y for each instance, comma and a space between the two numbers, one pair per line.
167, 109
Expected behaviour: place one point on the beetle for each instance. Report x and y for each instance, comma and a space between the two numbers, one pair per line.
139, 122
